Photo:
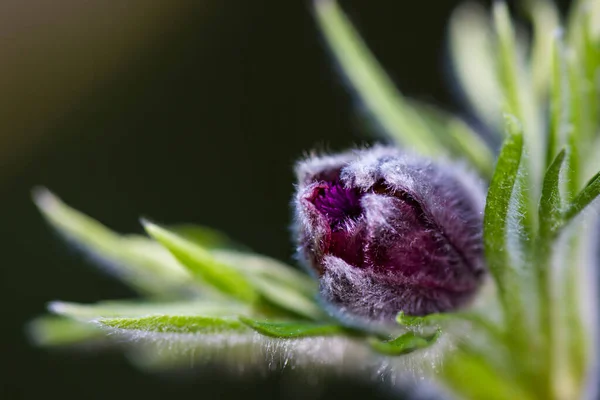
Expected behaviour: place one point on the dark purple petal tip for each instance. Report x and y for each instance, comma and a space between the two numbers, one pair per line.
389, 232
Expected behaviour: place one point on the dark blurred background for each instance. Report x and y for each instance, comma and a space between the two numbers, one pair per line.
183, 111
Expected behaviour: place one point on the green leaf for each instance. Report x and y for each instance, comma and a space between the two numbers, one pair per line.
206, 237
518, 94
474, 63
59, 331
372, 84
583, 64
472, 146
418, 321
279, 284
509, 63
269, 269
580, 141
202, 264
245, 276
552, 200
136, 260
288, 298
129, 308
462, 140
174, 324
407, 122
560, 123
507, 232
292, 329
550, 215
498, 204
436, 320
404, 344
473, 377
583, 199
545, 18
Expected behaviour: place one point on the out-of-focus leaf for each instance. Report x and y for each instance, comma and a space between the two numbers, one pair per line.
128, 308
288, 298
560, 124
438, 320
59, 331
202, 264
473, 377
245, 276
292, 329
584, 73
404, 344
518, 94
138, 261
207, 237
472, 146
268, 268
371, 83
403, 120
545, 18
174, 324
431, 319
472, 51
278, 283
251, 352
584, 198
463, 140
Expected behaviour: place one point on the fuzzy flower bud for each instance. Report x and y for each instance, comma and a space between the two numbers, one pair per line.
388, 232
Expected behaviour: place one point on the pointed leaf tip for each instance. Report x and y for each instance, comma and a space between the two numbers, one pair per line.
292, 329
202, 264
43, 198
406, 343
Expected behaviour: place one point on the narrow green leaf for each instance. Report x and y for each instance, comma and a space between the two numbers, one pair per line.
509, 64
404, 344
136, 260
580, 141
174, 324
410, 320
206, 237
560, 123
288, 298
278, 283
407, 122
461, 139
202, 264
583, 199
59, 331
508, 233
550, 216
473, 377
129, 308
545, 18
472, 146
372, 84
292, 329
437, 320
498, 204
474, 63
268, 268
552, 200
245, 276
584, 64
518, 95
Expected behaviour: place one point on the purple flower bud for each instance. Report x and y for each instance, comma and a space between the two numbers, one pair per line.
388, 232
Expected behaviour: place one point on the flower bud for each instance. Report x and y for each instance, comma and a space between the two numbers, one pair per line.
387, 232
